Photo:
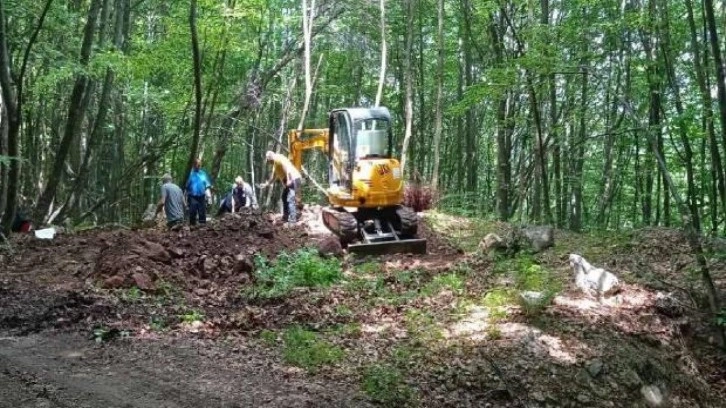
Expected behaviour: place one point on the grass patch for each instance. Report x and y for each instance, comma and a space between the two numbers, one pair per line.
305, 349
367, 268
303, 268
385, 385
268, 337
499, 297
451, 281
192, 316
535, 285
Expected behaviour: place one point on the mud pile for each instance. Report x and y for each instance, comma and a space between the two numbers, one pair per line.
220, 253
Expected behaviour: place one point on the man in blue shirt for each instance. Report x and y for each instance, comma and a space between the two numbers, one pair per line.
197, 187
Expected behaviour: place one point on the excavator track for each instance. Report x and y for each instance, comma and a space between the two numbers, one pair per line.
409, 221
395, 231
341, 223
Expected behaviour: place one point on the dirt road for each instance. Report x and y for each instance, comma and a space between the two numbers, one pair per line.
67, 370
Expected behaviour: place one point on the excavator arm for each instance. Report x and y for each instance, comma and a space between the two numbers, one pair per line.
309, 139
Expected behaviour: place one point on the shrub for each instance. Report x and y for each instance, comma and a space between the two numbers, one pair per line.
303, 268
419, 198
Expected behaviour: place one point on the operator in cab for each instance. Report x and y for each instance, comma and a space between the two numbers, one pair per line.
284, 171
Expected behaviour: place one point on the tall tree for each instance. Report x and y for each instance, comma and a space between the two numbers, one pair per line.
76, 114
13, 105
197, 63
384, 52
408, 78
438, 125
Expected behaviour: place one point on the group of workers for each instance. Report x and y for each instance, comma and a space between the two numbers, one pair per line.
198, 190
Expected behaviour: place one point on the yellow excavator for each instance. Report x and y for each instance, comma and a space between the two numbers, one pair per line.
365, 183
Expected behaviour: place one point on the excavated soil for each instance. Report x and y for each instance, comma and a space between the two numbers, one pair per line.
100, 318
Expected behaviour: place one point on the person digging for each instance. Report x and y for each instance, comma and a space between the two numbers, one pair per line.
285, 172
241, 196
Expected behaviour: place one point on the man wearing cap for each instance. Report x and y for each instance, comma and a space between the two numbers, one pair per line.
196, 188
284, 171
172, 201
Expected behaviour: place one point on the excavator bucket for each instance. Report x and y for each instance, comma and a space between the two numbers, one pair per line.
400, 246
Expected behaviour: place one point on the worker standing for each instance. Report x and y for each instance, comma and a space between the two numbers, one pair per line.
284, 171
172, 201
197, 189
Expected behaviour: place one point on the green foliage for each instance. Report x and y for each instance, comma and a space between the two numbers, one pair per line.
192, 316
303, 268
268, 337
385, 385
306, 349
536, 285
368, 267
721, 318
493, 332
132, 294
449, 281
499, 297
157, 323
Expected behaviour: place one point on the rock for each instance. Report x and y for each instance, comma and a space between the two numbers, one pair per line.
269, 234
243, 264
539, 237
631, 379
152, 250
114, 282
538, 396
533, 302
176, 253
583, 398
595, 367
592, 280
201, 292
143, 281
208, 265
652, 395
330, 247
668, 305
491, 242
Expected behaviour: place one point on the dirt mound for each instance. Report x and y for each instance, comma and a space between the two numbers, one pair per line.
220, 254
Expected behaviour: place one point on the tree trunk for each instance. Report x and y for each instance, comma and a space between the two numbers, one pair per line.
439, 114
718, 174
13, 101
196, 59
409, 85
75, 117
718, 62
384, 53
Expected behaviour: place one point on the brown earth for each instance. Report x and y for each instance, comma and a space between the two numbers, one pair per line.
79, 319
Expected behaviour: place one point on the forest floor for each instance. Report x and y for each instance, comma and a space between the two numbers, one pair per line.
202, 318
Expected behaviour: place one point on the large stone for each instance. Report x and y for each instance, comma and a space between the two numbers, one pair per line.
330, 247
152, 250
491, 242
143, 281
668, 305
592, 280
243, 264
539, 237
595, 367
114, 282
652, 395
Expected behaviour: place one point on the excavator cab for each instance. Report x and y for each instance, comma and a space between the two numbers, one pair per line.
365, 183
357, 134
